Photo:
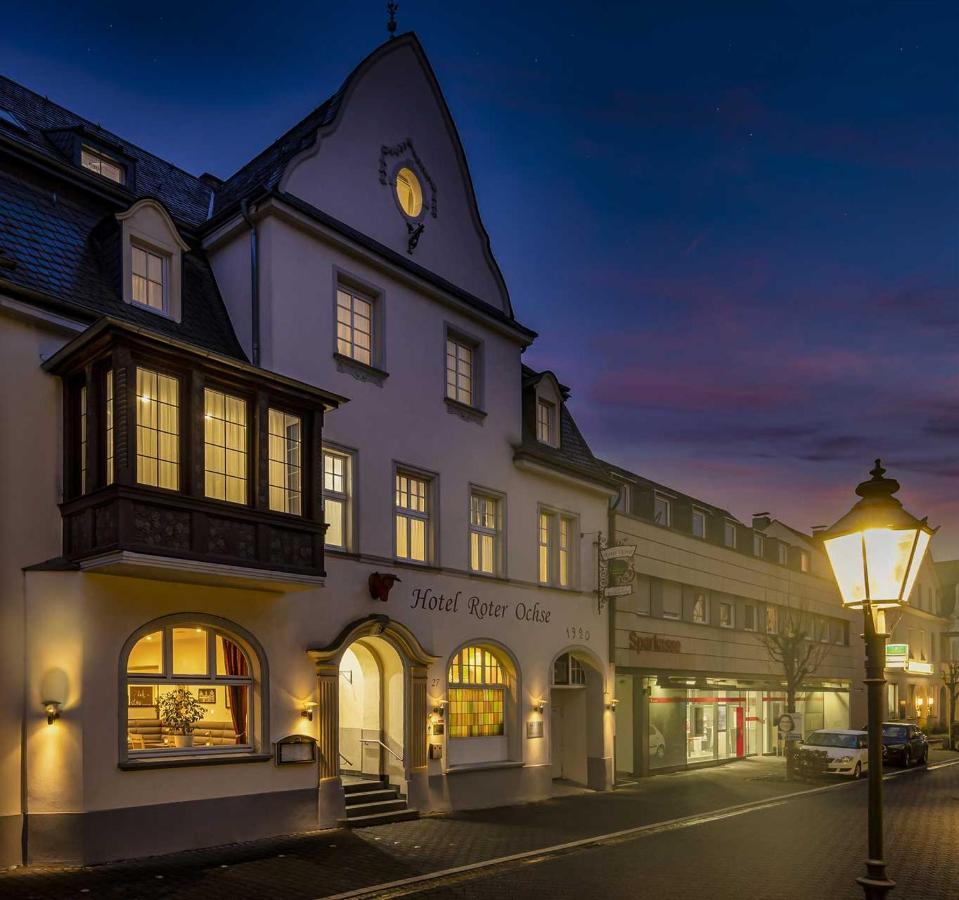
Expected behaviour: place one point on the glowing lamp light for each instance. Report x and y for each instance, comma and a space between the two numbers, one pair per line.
876, 549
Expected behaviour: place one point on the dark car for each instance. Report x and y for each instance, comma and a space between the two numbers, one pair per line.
904, 744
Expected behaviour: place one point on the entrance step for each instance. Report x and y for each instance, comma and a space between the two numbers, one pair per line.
375, 803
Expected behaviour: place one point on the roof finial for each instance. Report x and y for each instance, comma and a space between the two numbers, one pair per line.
391, 8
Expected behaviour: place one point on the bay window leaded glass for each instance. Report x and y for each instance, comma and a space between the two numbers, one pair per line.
286, 462
477, 684
224, 446
158, 429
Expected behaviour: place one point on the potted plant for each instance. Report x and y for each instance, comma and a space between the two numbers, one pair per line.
179, 710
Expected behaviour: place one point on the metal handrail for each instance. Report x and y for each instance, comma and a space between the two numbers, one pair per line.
346, 760
378, 741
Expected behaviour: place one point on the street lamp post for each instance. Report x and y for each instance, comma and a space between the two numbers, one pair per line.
875, 551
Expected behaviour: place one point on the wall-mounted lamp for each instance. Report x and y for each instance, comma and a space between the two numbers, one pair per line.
611, 704
52, 709
538, 705
307, 711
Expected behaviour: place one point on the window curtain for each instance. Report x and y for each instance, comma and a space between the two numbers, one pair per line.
235, 661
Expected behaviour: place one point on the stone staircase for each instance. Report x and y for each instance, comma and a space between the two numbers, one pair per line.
375, 803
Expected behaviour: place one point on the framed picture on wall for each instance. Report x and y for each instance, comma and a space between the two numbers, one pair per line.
207, 696
142, 695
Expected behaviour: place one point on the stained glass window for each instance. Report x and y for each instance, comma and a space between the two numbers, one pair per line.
477, 694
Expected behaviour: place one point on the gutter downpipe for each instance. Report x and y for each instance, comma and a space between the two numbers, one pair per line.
254, 282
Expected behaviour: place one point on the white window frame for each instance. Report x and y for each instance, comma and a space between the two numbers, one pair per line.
700, 601
732, 614
562, 545
782, 554
459, 342
804, 561
373, 350
346, 496
729, 529
427, 516
701, 514
496, 532
662, 498
759, 543
291, 486
164, 258
546, 424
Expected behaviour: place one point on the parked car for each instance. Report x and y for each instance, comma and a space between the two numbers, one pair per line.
657, 743
834, 751
904, 743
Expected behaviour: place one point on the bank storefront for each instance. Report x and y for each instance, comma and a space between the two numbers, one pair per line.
672, 720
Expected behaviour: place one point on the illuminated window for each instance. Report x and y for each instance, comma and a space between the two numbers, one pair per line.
189, 690
109, 426
729, 535
782, 554
545, 547
408, 192
477, 694
101, 164
354, 326
803, 561
661, 510
158, 430
149, 278
459, 372
83, 439
225, 446
699, 523
337, 497
412, 515
286, 462
485, 544
772, 620
565, 551
545, 422
557, 546
700, 610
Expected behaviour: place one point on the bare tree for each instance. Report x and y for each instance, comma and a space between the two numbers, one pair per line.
795, 647
950, 678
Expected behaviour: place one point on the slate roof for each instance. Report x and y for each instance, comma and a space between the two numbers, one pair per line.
67, 247
573, 454
186, 197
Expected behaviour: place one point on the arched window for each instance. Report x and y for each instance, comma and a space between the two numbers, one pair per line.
189, 688
477, 683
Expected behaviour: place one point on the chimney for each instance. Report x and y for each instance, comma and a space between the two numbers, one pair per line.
761, 521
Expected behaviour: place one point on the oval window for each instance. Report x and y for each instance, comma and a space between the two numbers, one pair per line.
408, 192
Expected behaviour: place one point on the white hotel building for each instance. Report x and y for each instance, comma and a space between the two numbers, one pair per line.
273, 471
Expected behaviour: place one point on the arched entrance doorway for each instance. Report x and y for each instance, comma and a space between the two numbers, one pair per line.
372, 724
382, 704
576, 707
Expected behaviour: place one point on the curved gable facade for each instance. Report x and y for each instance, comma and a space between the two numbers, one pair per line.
393, 115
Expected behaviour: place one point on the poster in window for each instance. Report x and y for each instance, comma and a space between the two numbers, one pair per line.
141, 695
721, 722
206, 696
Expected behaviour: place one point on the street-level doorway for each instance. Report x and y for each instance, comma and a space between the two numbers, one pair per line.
576, 720
371, 709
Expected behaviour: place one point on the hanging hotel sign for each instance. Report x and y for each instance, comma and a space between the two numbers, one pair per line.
616, 572
897, 656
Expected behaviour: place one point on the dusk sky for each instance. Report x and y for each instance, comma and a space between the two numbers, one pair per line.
733, 225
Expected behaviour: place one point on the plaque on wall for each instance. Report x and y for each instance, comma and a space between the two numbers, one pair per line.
436, 751
293, 750
534, 729
438, 728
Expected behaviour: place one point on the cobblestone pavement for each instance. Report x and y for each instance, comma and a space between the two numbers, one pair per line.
710, 858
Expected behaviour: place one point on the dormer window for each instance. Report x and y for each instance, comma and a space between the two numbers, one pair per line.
102, 165
149, 272
545, 422
661, 511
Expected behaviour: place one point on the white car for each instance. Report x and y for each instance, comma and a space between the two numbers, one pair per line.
836, 751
